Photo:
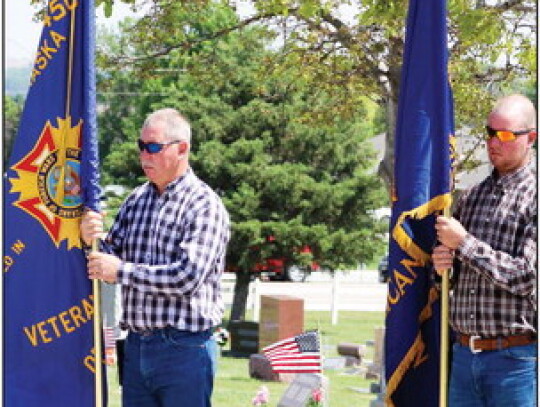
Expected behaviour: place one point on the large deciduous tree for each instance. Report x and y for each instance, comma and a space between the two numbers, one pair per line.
356, 47
290, 161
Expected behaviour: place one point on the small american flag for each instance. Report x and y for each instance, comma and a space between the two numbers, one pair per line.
299, 354
109, 339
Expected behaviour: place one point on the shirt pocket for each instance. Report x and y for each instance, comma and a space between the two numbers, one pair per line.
504, 231
170, 233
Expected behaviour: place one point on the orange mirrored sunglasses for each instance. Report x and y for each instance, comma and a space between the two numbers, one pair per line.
505, 135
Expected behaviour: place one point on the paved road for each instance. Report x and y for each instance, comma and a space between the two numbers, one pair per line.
356, 291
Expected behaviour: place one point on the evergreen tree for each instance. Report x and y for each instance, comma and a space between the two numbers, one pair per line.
288, 166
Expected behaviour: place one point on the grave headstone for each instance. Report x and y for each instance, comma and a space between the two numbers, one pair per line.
282, 316
301, 390
334, 363
375, 368
352, 361
260, 368
244, 337
351, 349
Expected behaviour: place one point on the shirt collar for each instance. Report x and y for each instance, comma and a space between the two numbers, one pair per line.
182, 182
509, 180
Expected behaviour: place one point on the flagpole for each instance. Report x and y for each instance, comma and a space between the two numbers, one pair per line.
443, 367
319, 334
96, 290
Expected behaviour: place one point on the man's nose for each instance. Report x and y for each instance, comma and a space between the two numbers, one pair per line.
495, 142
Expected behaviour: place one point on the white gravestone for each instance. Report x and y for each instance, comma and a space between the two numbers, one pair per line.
301, 389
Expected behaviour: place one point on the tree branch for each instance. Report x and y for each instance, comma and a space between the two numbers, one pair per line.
519, 5
192, 42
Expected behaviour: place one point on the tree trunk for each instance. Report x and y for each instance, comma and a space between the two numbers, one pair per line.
390, 90
386, 166
241, 291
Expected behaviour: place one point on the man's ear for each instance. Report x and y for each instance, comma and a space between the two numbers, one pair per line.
532, 137
183, 147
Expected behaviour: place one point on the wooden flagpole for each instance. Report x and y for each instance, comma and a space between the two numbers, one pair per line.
96, 289
98, 329
443, 366
443, 394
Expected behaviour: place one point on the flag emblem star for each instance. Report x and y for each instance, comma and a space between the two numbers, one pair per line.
48, 182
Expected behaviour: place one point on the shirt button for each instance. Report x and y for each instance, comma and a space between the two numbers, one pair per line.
148, 256
472, 291
472, 316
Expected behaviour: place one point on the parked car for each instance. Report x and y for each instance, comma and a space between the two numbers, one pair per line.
384, 274
281, 268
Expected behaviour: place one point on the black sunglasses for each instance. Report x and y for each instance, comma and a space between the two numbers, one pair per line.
505, 135
153, 148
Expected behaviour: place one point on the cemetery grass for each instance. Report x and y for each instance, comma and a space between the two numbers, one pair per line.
234, 388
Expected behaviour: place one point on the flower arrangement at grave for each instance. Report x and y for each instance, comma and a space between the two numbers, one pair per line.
316, 399
261, 397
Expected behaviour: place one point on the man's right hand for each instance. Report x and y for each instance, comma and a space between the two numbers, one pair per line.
91, 227
443, 259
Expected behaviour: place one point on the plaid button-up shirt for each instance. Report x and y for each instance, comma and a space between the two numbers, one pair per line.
173, 250
495, 290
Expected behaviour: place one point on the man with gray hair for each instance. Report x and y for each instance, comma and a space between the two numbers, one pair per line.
166, 249
491, 242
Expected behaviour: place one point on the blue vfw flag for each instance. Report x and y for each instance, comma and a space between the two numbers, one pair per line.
49, 357
422, 187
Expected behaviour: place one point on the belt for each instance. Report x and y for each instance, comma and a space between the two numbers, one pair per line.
479, 344
153, 331
149, 332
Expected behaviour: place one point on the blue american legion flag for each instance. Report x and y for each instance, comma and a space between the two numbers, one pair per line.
48, 309
297, 354
422, 187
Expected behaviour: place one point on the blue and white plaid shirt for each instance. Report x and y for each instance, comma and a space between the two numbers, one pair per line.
173, 250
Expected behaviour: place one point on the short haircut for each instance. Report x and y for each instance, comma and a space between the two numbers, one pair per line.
177, 127
518, 106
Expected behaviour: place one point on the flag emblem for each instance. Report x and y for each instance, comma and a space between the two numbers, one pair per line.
50, 357
48, 182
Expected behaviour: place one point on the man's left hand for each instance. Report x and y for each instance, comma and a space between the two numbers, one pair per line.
103, 266
450, 232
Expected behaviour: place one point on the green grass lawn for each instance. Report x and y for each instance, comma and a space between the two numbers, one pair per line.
234, 388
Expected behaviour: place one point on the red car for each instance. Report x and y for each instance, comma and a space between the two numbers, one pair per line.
281, 268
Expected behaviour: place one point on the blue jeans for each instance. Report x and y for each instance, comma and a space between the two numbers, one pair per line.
169, 368
500, 378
